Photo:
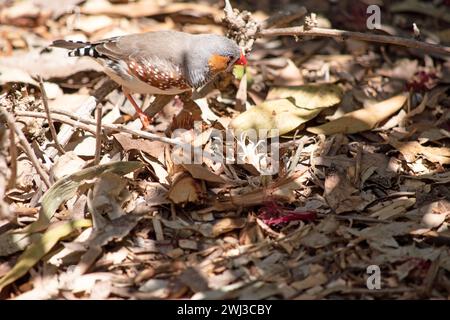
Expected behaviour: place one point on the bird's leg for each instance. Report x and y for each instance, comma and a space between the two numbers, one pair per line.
145, 120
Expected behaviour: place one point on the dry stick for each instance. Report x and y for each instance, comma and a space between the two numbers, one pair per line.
49, 118
85, 109
98, 134
344, 35
13, 155
28, 150
77, 123
86, 124
111, 127
100, 94
5, 212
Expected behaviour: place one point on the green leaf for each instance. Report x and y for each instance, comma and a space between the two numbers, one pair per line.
63, 190
40, 248
238, 71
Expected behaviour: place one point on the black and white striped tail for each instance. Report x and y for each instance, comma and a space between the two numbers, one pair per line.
78, 48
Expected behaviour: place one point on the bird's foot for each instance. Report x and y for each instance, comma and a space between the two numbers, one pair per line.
145, 120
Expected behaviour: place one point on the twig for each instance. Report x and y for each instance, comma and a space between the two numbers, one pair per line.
86, 124
76, 123
296, 158
49, 118
98, 134
85, 109
349, 290
66, 132
353, 217
5, 212
344, 35
28, 150
13, 156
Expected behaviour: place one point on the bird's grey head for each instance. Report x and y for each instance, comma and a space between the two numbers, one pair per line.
208, 56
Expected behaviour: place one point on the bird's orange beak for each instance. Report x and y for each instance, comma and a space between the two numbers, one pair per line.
242, 61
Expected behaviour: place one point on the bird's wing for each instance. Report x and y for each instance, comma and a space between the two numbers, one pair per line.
166, 45
146, 58
156, 58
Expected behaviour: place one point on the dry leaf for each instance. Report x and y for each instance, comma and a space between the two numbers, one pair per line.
156, 288
67, 164
281, 115
108, 195
153, 148
202, 173
91, 24
311, 96
66, 188
362, 119
412, 149
185, 189
282, 189
313, 280
340, 194
315, 239
381, 236
392, 209
296, 106
226, 225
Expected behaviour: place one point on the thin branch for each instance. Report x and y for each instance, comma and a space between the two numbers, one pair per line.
13, 155
98, 134
344, 35
87, 124
5, 212
85, 109
28, 150
49, 118
78, 123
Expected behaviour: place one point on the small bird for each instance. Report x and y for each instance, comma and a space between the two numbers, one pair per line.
161, 62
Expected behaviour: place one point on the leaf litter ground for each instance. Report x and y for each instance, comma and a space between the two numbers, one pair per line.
363, 175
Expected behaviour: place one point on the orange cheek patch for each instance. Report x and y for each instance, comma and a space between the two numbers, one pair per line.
218, 63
